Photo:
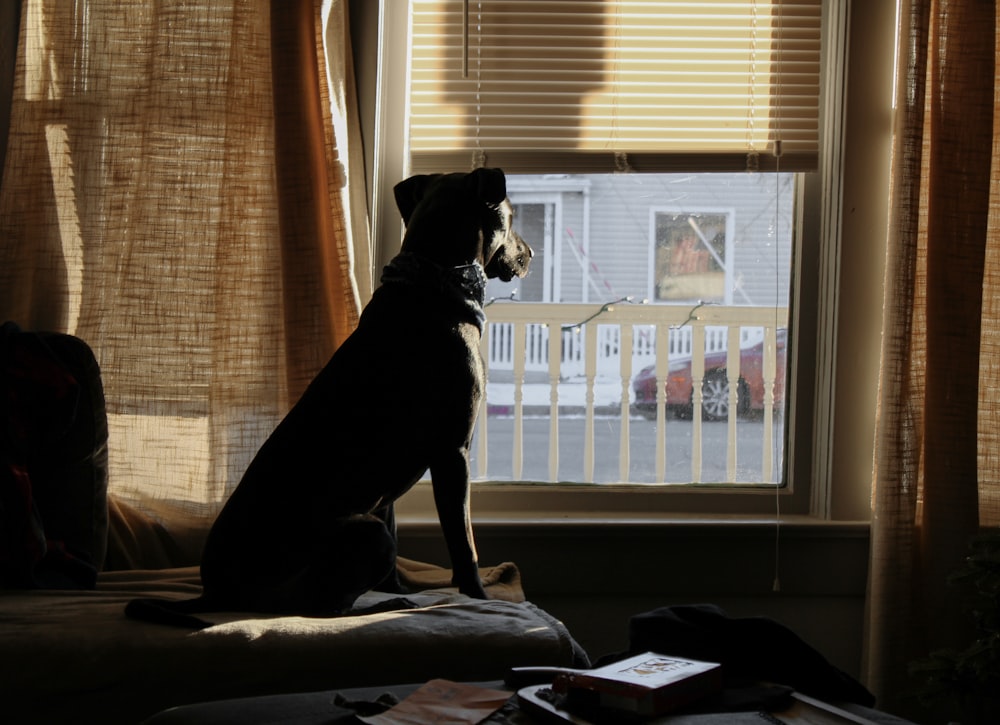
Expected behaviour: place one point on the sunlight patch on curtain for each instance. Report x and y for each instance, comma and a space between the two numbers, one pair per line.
140, 211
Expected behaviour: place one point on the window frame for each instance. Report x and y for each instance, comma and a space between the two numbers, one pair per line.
811, 447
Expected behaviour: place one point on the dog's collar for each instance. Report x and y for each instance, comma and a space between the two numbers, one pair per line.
465, 283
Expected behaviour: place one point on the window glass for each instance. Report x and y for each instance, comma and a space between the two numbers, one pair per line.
699, 261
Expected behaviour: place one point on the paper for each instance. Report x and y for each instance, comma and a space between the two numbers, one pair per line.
441, 702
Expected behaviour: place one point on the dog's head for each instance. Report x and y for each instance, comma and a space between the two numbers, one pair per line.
457, 219
506, 255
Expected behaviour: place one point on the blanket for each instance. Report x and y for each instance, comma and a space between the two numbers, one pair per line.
71, 656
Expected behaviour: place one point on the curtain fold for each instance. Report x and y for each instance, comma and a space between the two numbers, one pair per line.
10, 13
346, 125
172, 194
309, 203
936, 447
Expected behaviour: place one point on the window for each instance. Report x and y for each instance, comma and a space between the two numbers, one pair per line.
653, 251
690, 251
657, 121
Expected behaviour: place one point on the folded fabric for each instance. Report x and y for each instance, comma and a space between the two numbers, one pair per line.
748, 648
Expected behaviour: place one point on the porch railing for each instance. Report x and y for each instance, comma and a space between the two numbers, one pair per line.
500, 351
519, 343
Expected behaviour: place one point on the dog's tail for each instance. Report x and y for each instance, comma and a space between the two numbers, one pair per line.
176, 613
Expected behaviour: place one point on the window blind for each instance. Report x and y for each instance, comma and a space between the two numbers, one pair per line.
655, 85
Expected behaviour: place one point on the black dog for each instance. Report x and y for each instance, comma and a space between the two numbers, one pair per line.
310, 526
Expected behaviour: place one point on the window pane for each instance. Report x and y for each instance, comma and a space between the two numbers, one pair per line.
644, 287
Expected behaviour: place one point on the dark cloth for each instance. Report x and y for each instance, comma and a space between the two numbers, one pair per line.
749, 649
53, 461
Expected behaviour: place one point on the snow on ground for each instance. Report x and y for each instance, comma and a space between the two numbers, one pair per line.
572, 393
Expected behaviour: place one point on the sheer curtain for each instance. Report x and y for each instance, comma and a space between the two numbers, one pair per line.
175, 194
937, 468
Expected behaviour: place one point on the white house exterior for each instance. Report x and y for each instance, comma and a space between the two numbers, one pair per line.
600, 238
664, 239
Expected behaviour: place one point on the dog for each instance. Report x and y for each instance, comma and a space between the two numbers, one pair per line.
310, 527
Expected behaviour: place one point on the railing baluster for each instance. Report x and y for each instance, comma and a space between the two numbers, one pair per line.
590, 370
625, 356
733, 376
769, 374
520, 331
662, 370
484, 345
555, 356
697, 396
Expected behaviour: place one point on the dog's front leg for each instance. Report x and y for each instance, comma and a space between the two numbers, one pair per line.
450, 481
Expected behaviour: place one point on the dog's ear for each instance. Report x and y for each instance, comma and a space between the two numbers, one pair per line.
408, 194
490, 184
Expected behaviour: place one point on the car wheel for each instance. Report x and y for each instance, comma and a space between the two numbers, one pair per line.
715, 396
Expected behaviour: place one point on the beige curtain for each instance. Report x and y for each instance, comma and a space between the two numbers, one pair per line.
175, 194
937, 468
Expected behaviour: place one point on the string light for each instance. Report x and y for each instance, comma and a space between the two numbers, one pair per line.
692, 317
512, 297
606, 308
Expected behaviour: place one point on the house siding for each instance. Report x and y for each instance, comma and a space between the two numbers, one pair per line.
606, 240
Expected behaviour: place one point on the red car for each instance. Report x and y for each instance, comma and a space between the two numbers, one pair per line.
715, 385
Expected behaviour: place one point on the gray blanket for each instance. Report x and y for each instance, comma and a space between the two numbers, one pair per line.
72, 656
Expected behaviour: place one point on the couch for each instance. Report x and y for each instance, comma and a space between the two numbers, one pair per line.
72, 556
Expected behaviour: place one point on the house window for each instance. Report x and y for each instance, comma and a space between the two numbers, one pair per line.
663, 159
691, 250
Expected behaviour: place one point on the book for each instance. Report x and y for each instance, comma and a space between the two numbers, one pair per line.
643, 685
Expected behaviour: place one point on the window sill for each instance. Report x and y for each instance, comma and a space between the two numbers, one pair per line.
651, 523
659, 554
500, 505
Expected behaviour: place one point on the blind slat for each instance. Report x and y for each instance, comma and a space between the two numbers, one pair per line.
670, 80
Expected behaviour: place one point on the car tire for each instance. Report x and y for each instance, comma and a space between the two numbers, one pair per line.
715, 396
